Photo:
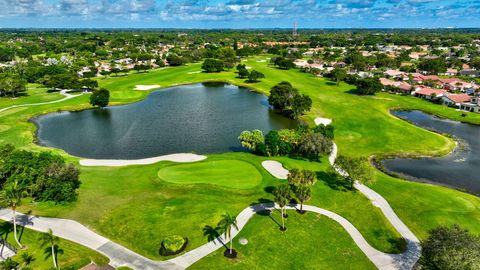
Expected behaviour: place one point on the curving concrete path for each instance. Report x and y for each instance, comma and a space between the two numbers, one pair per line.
403, 261
121, 256
76, 232
275, 168
63, 93
180, 157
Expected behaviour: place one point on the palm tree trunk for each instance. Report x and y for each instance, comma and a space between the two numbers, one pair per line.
283, 220
15, 227
301, 206
231, 244
53, 256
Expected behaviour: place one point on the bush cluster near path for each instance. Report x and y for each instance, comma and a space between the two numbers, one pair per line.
155, 208
301, 142
47, 176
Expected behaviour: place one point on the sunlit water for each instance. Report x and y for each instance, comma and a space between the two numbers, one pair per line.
202, 118
461, 169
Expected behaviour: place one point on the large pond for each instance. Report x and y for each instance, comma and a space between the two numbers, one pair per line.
202, 118
460, 169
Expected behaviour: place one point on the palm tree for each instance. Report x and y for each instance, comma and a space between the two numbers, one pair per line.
226, 223
12, 197
211, 232
48, 239
27, 259
303, 193
282, 197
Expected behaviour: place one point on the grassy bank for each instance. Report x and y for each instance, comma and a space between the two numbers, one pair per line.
137, 208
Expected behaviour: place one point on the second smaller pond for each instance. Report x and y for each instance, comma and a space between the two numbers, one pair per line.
461, 169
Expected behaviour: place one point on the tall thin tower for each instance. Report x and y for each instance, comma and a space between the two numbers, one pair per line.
295, 25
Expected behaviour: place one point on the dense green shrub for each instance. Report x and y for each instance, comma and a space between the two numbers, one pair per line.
302, 141
451, 248
213, 65
288, 100
47, 176
100, 97
327, 131
173, 245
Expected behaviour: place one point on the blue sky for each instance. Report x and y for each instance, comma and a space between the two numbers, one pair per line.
240, 13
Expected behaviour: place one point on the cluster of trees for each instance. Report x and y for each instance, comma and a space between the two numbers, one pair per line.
288, 100
283, 63
67, 81
11, 84
41, 176
451, 248
299, 187
433, 66
100, 98
353, 169
213, 65
46, 176
302, 142
253, 76
368, 86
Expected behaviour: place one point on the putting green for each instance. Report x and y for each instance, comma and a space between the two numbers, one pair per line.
227, 173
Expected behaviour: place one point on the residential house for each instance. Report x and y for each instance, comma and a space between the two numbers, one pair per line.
398, 86
420, 78
455, 99
469, 72
417, 55
454, 84
472, 106
394, 73
429, 93
450, 72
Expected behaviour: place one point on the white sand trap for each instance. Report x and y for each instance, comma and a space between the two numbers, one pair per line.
194, 72
146, 87
325, 121
181, 157
275, 168
248, 67
261, 61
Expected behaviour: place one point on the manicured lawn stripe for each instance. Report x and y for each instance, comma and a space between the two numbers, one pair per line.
226, 173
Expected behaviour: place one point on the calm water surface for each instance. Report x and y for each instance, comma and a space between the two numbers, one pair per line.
461, 169
202, 118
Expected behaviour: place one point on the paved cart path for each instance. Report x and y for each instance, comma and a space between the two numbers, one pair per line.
121, 256
63, 93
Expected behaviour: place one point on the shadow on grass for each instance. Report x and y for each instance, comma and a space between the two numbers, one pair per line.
398, 244
213, 234
268, 213
48, 252
262, 201
269, 189
334, 181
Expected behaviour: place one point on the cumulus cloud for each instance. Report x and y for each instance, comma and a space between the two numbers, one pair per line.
228, 10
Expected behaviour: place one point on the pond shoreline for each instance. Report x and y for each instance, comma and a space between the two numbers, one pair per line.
201, 117
377, 161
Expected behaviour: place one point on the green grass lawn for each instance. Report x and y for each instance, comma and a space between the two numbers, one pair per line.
424, 207
34, 94
226, 173
311, 241
138, 209
72, 255
135, 207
